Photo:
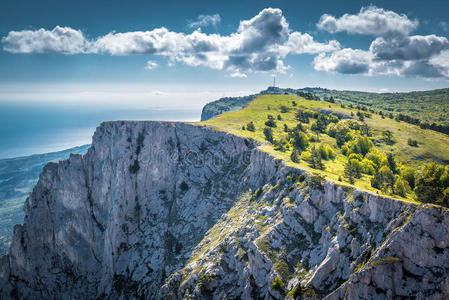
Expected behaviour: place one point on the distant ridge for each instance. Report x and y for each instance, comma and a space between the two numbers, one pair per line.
17, 178
417, 104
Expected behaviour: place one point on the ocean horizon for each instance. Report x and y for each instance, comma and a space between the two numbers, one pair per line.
31, 128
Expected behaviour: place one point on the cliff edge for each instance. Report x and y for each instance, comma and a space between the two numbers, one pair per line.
161, 210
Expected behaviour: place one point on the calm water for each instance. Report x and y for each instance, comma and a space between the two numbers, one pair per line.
32, 128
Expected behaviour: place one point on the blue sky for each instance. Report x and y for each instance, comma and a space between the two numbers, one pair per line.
152, 46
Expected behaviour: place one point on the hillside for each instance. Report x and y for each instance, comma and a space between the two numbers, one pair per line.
354, 146
18, 176
420, 104
161, 210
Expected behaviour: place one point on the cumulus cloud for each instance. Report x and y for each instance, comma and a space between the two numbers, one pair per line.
345, 61
299, 43
205, 20
63, 40
356, 61
370, 20
409, 47
151, 65
393, 52
259, 44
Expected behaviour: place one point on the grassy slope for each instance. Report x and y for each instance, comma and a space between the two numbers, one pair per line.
420, 104
433, 145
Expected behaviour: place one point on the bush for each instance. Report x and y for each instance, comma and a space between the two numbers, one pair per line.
306, 156
270, 122
316, 181
326, 152
268, 132
278, 284
413, 143
401, 187
284, 109
250, 126
295, 156
408, 173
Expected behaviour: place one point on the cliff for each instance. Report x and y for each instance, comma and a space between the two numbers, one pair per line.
172, 210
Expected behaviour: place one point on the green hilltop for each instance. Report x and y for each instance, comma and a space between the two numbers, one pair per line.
352, 144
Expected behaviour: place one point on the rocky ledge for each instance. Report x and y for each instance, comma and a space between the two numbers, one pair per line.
161, 210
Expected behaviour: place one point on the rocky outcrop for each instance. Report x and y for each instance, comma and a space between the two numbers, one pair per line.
162, 210
225, 104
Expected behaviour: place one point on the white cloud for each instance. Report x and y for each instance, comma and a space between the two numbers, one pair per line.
63, 40
260, 44
300, 43
238, 75
371, 21
393, 52
345, 61
205, 20
151, 65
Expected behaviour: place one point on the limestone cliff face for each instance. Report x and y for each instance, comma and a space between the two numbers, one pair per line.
162, 210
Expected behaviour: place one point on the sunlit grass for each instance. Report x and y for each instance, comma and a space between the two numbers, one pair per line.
433, 146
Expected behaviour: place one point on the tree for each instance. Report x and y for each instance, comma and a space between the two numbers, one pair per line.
432, 184
279, 118
268, 132
294, 103
295, 156
321, 123
314, 127
353, 169
270, 122
285, 128
284, 109
383, 179
250, 126
401, 187
388, 136
392, 163
408, 173
301, 116
316, 161
299, 139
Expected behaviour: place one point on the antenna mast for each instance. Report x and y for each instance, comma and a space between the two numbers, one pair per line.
274, 81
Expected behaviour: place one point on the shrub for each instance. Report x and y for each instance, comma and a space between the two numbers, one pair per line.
284, 109
268, 132
326, 151
401, 187
278, 284
295, 156
306, 156
270, 122
316, 181
413, 143
408, 173
250, 126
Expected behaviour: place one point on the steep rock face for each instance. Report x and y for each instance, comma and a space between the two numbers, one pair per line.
172, 210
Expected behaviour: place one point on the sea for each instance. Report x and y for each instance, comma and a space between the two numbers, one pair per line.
28, 128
